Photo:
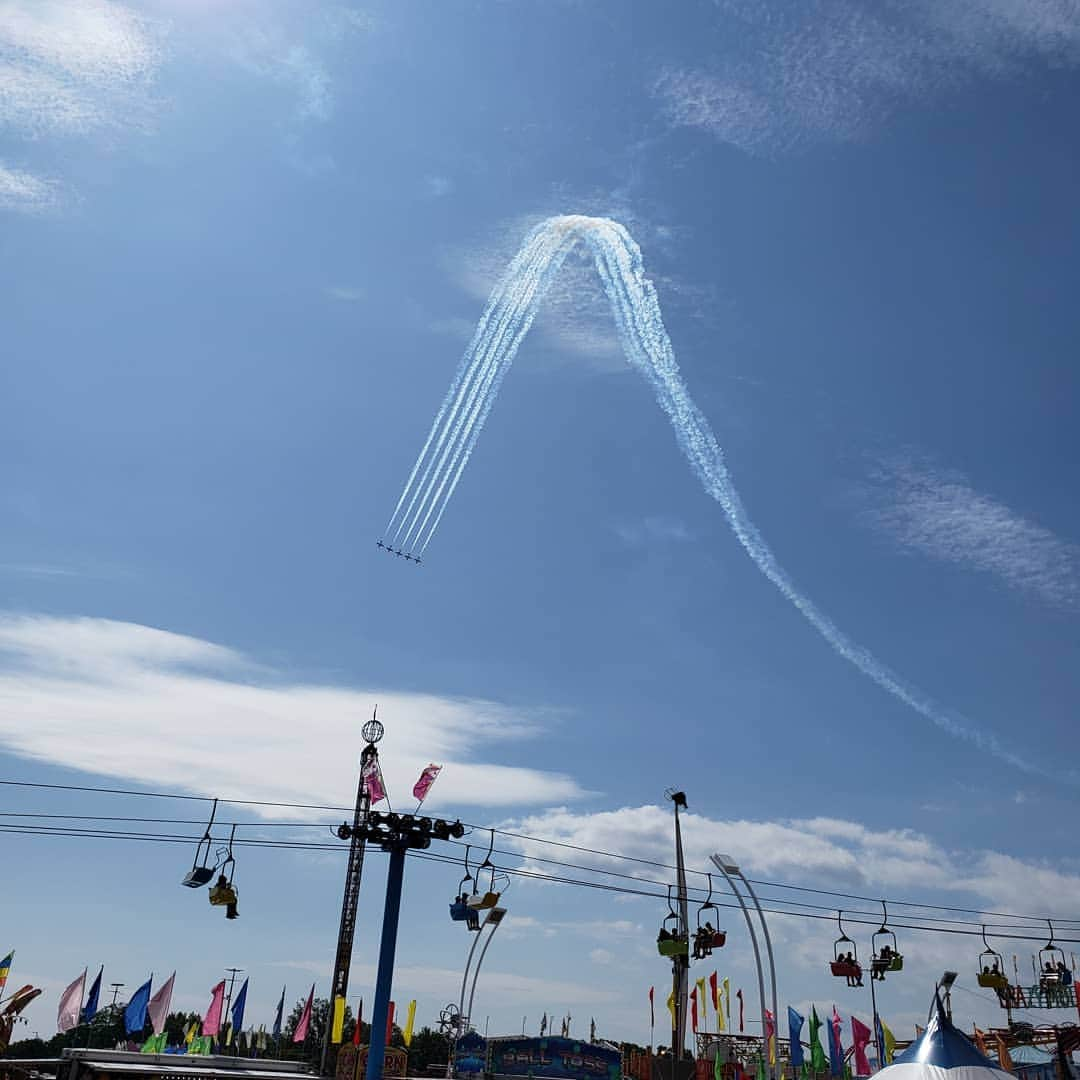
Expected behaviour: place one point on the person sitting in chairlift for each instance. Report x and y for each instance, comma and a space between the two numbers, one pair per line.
224, 895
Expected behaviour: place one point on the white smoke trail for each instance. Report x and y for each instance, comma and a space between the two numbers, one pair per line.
507, 319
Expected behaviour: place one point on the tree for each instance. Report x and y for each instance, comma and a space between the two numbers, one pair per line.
428, 1048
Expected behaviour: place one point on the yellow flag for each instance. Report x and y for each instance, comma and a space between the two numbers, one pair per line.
727, 1000
339, 1019
720, 1025
410, 1016
190, 1033
671, 1006
890, 1041
703, 1002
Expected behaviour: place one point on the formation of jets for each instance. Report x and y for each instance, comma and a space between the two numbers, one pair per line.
398, 552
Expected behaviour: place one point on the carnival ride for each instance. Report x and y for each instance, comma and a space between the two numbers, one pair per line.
845, 965
886, 956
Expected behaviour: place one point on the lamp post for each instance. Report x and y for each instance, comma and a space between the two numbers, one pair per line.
730, 869
493, 918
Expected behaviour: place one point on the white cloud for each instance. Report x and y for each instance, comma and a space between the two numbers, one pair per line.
346, 293
936, 512
834, 69
157, 701
70, 66
601, 956
23, 191
840, 854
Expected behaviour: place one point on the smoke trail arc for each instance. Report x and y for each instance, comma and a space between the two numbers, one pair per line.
506, 320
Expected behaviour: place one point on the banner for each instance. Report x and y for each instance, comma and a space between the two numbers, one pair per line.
278, 1015
817, 1055
423, 785
5, 969
860, 1037
158, 1007
373, 780
359, 1021
410, 1017
836, 1047
770, 1036
67, 1015
304, 1025
652, 1009
211, 1024
337, 1028
703, 1004
91, 1007
238, 1006
795, 1025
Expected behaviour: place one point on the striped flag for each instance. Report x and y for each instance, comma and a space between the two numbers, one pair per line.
5, 968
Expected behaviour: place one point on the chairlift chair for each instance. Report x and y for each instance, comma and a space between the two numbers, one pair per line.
671, 942
479, 901
201, 871
886, 956
1053, 971
223, 892
706, 939
840, 966
991, 972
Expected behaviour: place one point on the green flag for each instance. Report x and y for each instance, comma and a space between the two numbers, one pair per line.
818, 1062
761, 1073
717, 1068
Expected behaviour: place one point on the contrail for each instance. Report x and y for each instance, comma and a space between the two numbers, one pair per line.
507, 319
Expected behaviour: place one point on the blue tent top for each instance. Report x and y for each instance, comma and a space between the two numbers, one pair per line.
943, 1045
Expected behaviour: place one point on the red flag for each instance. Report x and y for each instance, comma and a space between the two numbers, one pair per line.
738, 994
389, 1023
715, 991
652, 1008
212, 1021
359, 1017
860, 1036
301, 1032
423, 785
693, 1009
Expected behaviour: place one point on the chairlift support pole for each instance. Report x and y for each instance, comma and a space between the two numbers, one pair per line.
680, 963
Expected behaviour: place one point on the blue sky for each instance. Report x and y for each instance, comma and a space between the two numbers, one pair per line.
243, 246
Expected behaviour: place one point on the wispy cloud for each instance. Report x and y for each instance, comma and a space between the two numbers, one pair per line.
156, 701
835, 69
656, 529
69, 67
23, 191
346, 293
936, 512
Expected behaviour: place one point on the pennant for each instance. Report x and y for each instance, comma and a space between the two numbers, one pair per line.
714, 994
671, 1008
189, 1034
770, 1036
91, 1007
156, 1044
703, 1004
1004, 1057
693, 1009
389, 1023
278, 1015
836, 1048
135, 1012
337, 1028
302, 1027
818, 1063
423, 785
860, 1036
795, 1024
717, 1067
727, 1000
761, 1073
738, 994
238, 1006
211, 1024
887, 1042
410, 1017
158, 1007
373, 780
5, 968
652, 1008
67, 1015
359, 1020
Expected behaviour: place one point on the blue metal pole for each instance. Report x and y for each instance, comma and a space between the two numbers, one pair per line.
377, 1048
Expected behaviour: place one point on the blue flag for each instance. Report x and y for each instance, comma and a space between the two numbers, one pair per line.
280, 1010
238, 1008
135, 1013
91, 1007
795, 1023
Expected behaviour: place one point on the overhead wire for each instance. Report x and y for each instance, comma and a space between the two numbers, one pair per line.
524, 837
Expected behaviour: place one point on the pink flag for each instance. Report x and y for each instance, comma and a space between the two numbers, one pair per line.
158, 1007
301, 1032
67, 1016
423, 785
373, 781
860, 1036
837, 1030
211, 1024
